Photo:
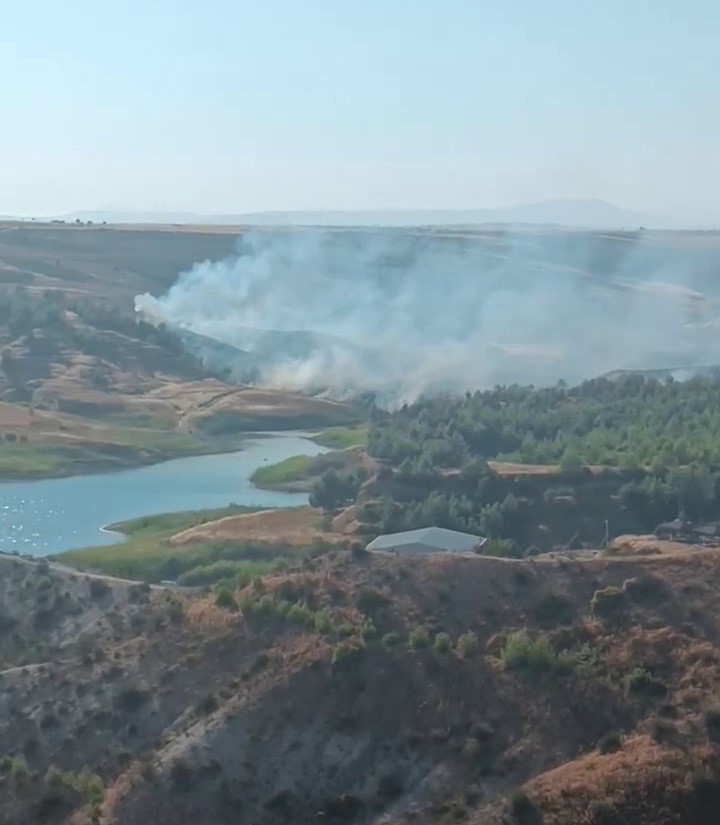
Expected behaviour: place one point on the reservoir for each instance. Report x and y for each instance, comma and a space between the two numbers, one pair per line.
49, 516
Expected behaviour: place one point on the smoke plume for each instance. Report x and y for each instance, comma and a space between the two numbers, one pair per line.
401, 313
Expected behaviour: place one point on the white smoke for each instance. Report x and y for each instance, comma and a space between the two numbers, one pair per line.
406, 312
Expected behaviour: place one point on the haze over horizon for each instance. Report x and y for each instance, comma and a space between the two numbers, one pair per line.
571, 213
238, 108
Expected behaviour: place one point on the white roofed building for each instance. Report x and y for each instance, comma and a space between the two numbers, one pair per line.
427, 540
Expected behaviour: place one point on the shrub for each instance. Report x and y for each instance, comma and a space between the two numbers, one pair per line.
442, 643
501, 548
19, 770
610, 743
98, 588
520, 804
208, 704
225, 598
89, 785
300, 613
139, 593
520, 652
390, 786
419, 638
342, 808
471, 749
706, 791
181, 775
347, 651
662, 730
467, 643
602, 813
712, 724
554, 609
54, 777
390, 640
265, 607
345, 629
644, 588
588, 662
130, 699
368, 631
323, 622
175, 611
358, 551
147, 771
608, 602
370, 599
49, 720
640, 680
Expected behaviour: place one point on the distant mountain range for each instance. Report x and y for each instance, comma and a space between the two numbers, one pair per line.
588, 214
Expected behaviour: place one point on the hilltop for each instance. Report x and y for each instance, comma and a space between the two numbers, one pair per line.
367, 689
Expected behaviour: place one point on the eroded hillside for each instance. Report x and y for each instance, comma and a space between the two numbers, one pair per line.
370, 689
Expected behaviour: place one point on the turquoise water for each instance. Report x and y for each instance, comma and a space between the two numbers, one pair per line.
49, 516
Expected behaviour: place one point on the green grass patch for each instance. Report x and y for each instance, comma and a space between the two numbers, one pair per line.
125, 447
298, 468
24, 460
164, 525
340, 438
27, 459
147, 555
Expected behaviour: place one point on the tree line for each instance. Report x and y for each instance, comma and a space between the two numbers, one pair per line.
629, 422
634, 451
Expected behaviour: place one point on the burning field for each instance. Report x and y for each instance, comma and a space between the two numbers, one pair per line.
402, 313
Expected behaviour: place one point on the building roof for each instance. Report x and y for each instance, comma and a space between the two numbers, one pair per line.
710, 528
436, 537
675, 524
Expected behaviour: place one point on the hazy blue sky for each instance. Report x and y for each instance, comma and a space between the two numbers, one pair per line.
231, 106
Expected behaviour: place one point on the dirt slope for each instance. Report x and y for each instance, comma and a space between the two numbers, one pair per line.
277, 713
403, 735
297, 527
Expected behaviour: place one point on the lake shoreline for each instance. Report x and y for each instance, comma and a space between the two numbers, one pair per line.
49, 516
135, 461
